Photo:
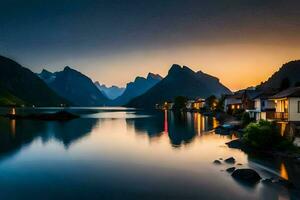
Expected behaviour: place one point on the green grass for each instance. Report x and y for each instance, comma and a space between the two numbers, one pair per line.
7, 99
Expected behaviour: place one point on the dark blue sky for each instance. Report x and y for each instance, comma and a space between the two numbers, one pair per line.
105, 38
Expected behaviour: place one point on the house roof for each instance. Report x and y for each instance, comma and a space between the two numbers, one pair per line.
290, 92
266, 94
252, 94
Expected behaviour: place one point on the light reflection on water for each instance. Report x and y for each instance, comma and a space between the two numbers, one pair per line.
125, 154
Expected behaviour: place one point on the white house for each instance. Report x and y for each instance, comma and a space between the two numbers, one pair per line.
287, 105
262, 106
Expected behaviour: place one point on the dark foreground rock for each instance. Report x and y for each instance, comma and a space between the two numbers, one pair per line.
58, 116
230, 160
230, 170
217, 162
235, 144
248, 176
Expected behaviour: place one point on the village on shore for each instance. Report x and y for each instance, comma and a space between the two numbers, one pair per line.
248, 107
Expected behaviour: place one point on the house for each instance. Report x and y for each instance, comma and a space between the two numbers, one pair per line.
189, 104
287, 112
168, 105
262, 105
233, 102
287, 105
165, 106
198, 104
195, 104
241, 100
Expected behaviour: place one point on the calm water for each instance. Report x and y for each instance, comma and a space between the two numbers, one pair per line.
127, 154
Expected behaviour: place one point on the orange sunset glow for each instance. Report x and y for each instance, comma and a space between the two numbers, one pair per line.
237, 66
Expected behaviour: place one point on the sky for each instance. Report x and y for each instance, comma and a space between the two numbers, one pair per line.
113, 41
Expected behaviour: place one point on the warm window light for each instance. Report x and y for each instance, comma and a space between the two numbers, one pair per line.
232, 107
13, 112
238, 106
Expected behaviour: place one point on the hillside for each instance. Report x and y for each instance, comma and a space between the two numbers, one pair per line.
112, 92
289, 71
19, 85
180, 81
136, 88
75, 87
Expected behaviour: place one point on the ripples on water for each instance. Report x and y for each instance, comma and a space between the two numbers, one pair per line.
126, 154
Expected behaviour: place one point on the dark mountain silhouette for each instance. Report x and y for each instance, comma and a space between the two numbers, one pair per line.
19, 85
180, 81
75, 87
287, 76
112, 92
137, 88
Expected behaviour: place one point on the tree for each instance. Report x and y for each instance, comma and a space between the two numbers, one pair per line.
246, 119
220, 103
211, 102
180, 102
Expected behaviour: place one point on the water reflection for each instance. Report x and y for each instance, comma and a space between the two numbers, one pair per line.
283, 172
15, 134
111, 158
181, 127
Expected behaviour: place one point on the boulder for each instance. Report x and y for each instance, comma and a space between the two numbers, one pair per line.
235, 144
230, 170
217, 162
246, 175
230, 160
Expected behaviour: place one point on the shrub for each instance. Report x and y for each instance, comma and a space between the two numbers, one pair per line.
262, 135
246, 119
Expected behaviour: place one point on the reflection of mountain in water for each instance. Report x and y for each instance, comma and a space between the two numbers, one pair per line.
180, 127
15, 134
72, 131
153, 126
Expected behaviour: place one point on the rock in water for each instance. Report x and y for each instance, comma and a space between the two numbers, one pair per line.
230, 160
217, 162
235, 144
246, 175
230, 170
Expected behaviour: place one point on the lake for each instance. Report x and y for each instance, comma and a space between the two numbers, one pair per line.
119, 153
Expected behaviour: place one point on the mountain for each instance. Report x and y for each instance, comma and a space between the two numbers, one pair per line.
136, 88
289, 71
180, 81
112, 92
75, 87
19, 85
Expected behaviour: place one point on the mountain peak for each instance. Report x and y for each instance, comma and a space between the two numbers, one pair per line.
174, 68
139, 78
67, 68
44, 71
153, 76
